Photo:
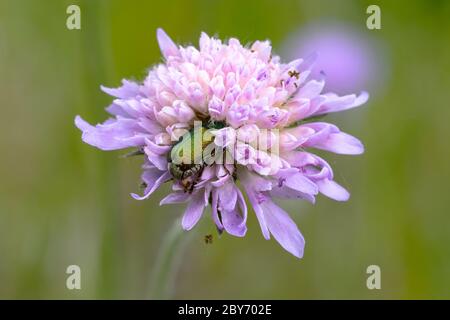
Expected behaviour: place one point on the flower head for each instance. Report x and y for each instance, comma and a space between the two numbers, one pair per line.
225, 113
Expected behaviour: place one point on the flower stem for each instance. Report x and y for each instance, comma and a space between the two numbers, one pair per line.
167, 262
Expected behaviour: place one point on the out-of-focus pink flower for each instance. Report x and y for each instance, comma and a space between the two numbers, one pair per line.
345, 57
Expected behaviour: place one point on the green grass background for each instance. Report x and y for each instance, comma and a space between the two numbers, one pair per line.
63, 202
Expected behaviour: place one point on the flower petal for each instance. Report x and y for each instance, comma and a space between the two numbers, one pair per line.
329, 137
215, 212
158, 161
283, 229
227, 196
311, 89
193, 211
234, 223
167, 46
175, 197
341, 143
253, 185
153, 178
229, 202
333, 190
129, 89
157, 149
335, 103
288, 193
113, 134
300, 183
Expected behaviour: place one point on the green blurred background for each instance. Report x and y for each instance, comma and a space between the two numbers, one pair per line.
63, 202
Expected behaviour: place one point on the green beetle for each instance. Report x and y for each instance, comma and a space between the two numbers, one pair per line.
186, 162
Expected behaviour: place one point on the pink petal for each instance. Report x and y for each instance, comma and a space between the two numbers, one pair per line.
193, 211
113, 134
335, 103
175, 197
300, 183
129, 89
154, 178
341, 143
283, 229
167, 46
311, 89
333, 190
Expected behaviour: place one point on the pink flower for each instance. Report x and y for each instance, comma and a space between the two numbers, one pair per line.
240, 115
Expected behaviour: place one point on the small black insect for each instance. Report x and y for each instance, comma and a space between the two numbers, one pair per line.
209, 239
294, 73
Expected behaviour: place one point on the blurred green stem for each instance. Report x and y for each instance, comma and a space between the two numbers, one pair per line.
168, 261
